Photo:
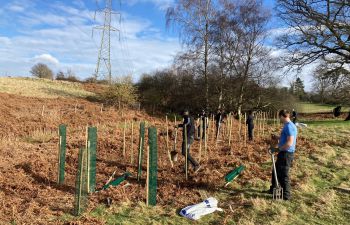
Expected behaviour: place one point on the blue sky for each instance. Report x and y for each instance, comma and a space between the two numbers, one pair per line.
59, 33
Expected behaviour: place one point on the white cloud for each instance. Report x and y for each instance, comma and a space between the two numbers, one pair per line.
47, 58
161, 4
5, 41
16, 8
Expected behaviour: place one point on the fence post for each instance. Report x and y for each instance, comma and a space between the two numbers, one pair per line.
167, 141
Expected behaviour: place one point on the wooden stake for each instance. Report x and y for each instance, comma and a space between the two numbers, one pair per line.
228, 126
167, 141
240, 127
132, 143
230, 133
42, 111
186, 153
124, 143
263, 125
209, 127
200, 137
213, 129
167, 132
59, 157
88, 157
245, 130
205, 136
147, 176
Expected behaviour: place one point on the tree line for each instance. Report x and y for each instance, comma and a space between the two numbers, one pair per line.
227, 61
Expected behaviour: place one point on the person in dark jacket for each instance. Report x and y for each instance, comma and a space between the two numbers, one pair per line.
218, 120
250, 124
203, 118
337, 111
188, 123
294, 116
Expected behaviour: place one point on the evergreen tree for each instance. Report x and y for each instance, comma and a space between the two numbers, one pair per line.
298, 88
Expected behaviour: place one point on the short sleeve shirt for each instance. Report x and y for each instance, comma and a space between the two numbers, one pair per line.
289, 129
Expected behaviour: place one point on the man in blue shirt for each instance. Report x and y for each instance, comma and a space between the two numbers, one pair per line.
286, 149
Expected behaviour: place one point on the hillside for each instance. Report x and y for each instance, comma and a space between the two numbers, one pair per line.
43, 88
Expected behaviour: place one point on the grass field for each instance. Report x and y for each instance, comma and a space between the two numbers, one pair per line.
42, 88
320, 166
305, 107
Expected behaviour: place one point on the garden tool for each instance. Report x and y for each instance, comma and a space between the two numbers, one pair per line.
174, 152
277, 193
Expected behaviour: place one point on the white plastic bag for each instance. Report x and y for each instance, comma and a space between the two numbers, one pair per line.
302, 125
195, 212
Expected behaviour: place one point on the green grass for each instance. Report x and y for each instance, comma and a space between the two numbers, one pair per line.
327, 123
42, 88
317, 170
305, 107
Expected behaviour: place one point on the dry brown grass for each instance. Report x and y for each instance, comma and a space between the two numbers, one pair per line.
42, 88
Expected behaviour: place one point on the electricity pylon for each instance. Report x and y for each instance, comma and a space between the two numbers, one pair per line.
104, 67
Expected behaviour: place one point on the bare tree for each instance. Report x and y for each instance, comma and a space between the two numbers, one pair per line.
332, 85
317, 29
194, 18
41, 70
243, 28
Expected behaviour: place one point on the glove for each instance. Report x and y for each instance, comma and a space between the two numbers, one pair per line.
273, 150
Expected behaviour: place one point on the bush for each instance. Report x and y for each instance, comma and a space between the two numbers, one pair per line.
41, 70
60, 76
69, 76
94, 80
120, 94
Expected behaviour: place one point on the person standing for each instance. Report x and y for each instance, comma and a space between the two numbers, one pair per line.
294, 116
203, 119
286, 148
218, 121
250, 124
188, 123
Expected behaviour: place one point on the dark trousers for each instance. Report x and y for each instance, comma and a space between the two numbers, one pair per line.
199, 132
283, 164
250, 133
218, 126
189, 157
